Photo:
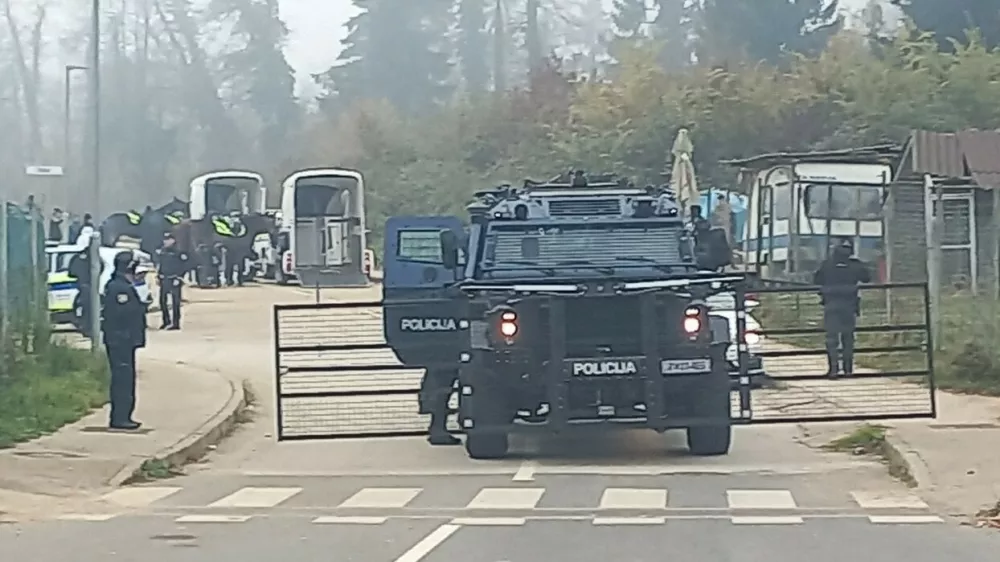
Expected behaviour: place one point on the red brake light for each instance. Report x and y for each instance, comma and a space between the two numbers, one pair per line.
692, 321
508, 324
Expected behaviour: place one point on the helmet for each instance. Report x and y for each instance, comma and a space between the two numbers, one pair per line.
123, 262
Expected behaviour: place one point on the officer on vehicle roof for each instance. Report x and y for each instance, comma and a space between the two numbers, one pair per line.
173, 266
838, 278
124, 332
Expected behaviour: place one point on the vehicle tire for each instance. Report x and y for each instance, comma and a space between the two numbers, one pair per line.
486, 446
709, 440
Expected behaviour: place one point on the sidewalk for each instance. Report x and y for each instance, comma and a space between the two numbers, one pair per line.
956, 457
184, 410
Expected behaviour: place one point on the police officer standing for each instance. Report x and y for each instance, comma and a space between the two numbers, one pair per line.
435, 391
838, 278
124, 332
173, 266
79, 268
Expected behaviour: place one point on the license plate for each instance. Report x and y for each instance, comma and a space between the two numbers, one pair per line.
685, 366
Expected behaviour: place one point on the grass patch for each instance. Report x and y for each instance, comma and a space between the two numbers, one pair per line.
968, 355
45, 389
155, 469
870, 440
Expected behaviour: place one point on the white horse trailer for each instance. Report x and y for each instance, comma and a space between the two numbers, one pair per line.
227, 193
322, 236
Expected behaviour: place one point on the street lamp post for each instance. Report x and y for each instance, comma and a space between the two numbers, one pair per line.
67, 111
95, 107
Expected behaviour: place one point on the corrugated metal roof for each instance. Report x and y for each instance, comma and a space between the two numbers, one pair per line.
982, 156
937, 154
958, 155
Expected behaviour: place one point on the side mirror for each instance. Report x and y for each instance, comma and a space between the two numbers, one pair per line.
449, 249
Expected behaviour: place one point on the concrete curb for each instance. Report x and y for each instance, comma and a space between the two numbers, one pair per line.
198, 443
900, 452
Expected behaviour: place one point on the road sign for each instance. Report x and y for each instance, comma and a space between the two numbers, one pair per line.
44, 171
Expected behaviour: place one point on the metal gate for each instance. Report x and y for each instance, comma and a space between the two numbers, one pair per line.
893, 374
337, 378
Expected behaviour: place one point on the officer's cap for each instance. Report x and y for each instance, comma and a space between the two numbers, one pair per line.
124, 261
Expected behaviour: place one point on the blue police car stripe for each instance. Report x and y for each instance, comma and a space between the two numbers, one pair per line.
63, 285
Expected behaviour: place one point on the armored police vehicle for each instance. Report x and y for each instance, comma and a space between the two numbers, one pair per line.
570, 303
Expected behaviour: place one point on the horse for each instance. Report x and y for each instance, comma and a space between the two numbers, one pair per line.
148, 226
218, 240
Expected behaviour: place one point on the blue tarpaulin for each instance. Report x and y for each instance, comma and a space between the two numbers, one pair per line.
737, 202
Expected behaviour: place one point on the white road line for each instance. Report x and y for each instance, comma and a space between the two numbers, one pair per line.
140, 496
760, 499
630, 520
94, 517
633, 498
888, 500
428, 543
506, 498
765, 520
526, 472
490, 521
212, 519
381, 497
904, 519
256, 497
334, 520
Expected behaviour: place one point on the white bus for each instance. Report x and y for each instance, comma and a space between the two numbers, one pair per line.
322, 239
797, 210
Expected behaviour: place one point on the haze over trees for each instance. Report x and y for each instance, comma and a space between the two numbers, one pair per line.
432, 98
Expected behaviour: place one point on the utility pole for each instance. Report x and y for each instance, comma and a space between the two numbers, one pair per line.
67, 112
95, 123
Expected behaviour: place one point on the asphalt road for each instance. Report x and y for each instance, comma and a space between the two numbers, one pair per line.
628, 497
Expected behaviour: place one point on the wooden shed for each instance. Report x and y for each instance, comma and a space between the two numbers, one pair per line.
956, 175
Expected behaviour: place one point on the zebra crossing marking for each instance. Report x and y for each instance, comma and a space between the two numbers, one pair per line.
633, 498
334, 520
381, 498
760, 499
256, 497
91, 517
212, 519
904, 519
489, 521
887, 500
629, 520
140, 496
768, 520
506, 498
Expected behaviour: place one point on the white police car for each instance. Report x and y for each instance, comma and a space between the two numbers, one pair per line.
64, 290
722, 306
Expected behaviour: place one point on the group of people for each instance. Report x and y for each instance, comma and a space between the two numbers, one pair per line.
76, 227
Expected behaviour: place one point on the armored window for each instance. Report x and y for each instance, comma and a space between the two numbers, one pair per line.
782, 194
420, 245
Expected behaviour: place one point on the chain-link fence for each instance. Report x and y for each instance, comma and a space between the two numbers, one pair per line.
23, 279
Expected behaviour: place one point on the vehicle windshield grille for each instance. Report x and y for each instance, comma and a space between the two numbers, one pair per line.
585, 207
598, 245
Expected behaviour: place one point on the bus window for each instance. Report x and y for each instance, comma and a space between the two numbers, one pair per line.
843, 202
782, 194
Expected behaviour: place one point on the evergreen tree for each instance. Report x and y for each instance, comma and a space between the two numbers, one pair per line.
628, 17
950, 19
765, 29
473, 44
672, 29
393, 51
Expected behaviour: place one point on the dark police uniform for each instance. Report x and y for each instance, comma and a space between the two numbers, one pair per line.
79, 268
173, 266
435, 391
124, 332
838, 278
